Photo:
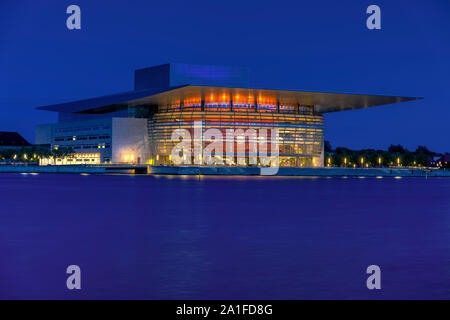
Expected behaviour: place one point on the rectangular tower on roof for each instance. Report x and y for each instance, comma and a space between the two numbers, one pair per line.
178, 74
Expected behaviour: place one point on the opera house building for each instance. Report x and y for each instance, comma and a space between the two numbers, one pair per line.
136, 126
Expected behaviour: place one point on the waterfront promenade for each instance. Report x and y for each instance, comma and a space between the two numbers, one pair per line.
92, 169
325, 172
233, 171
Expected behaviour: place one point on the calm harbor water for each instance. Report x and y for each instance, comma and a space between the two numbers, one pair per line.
163, 237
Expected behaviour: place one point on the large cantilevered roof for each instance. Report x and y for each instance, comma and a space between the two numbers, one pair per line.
113, 101
322, 101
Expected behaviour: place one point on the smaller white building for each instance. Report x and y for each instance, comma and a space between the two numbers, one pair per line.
106, 140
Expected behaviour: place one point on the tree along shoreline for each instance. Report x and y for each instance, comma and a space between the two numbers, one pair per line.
33, 154
394, 156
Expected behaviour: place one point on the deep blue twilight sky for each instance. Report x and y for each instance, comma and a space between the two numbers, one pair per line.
306, 45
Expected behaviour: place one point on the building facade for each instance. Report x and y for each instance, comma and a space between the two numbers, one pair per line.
102, 140
137, 126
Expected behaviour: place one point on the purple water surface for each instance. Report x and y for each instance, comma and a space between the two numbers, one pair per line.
150, 237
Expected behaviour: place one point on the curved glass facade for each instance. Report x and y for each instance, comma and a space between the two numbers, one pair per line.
300, 131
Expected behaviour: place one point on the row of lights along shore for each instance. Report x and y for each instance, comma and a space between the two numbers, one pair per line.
363, 163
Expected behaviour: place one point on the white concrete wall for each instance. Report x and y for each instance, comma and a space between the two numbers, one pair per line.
130, 141
44, 134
